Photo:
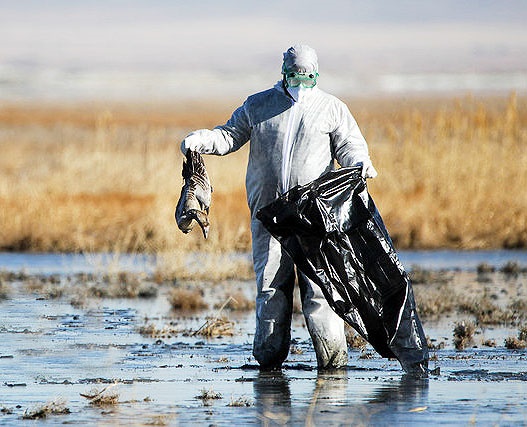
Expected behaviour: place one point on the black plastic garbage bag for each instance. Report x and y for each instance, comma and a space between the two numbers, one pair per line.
333, 231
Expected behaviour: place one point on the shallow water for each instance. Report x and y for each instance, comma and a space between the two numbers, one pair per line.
50, 263
53, 351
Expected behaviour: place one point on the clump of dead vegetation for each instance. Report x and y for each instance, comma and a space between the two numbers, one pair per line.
47, 287
418, 275
354, 340
519, 342
434, 302
121, 285
56, 407
512, 268
206, 396
214, 267
295, 349
167, 331
241, 401
102, 397
187, 299
4, 288
216, 327
485, 310
488, 301
464, 334
160, 420
213, 327
432, 344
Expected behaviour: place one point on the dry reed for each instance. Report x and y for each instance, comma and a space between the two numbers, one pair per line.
216, 326
237, 302
102, 397
209, 394
519, 342
56, 407
241, 401
107, 178
463, 334
187, 299
165, 332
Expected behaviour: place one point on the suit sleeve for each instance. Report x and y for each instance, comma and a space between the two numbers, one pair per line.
223, 139
347, 141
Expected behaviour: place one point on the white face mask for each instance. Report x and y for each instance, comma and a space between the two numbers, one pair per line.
297, 92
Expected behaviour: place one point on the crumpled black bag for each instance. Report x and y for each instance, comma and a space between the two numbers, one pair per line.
339, 241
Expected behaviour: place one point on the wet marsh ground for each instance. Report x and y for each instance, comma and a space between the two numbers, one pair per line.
129, 349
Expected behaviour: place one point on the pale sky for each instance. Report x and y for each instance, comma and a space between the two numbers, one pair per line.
210, 42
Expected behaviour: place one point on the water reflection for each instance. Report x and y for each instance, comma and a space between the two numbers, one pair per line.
406, 390
395, 402
272, 397
337, 398
330, 397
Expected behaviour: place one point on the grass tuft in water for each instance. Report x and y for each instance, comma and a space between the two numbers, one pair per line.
463, 334
240, 402
519, 342
209, 395
353, 339
4, 289
152, 331
160, 420
216, 327
56, 407
103, 397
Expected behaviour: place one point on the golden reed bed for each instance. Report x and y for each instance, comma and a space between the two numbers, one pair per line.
94, 177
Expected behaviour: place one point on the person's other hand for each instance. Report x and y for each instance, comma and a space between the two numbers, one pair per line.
368, 171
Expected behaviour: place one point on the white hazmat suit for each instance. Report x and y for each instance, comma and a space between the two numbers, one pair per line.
296, 134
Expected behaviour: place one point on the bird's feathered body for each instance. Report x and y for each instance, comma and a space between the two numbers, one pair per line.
195, 199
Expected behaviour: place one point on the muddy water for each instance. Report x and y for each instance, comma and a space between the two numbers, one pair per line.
53, 353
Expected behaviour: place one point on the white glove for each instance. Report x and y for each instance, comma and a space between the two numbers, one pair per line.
368, 171
193, 142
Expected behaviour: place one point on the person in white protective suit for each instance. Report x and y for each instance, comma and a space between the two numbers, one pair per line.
296, 133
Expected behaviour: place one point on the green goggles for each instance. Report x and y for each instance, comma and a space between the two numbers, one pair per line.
295, 79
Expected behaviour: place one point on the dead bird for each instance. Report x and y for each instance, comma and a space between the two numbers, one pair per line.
194, 202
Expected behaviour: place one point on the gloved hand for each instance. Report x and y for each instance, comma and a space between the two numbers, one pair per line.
368, 171
192, 141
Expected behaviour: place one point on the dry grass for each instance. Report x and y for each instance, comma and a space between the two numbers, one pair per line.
354, 340
209, 394
519, 342
500, 299
238, 301
56, 407
103, 397
241, 401
165, 332
187, 299
452, 174
464, 334
107, 178
4, 289
216, 326
211, 267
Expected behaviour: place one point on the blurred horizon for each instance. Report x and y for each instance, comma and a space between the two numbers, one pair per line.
165, 50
